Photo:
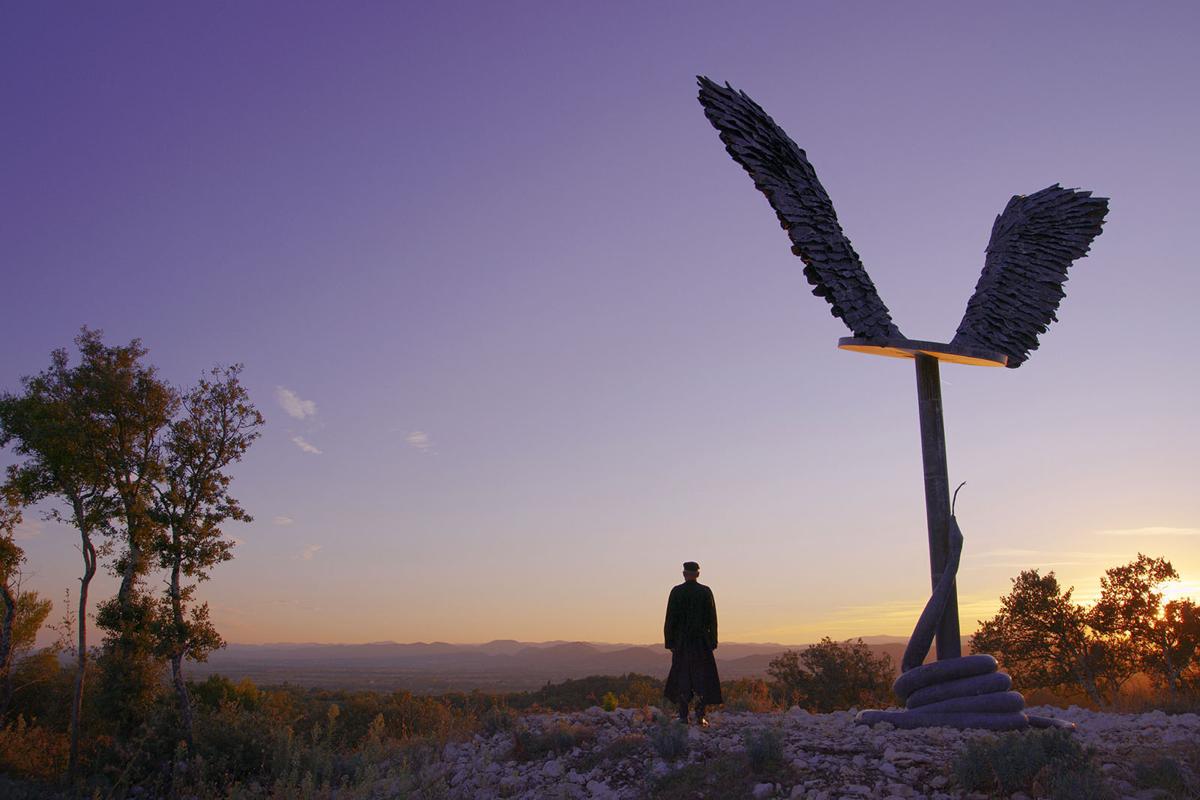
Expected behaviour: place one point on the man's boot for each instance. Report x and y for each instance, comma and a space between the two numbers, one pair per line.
701, 720
683, 711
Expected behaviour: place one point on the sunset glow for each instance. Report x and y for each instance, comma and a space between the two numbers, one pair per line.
525, 339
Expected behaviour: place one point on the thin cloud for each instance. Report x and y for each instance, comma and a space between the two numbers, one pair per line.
291, 403
420, 440
1033, 558
308, 552
280, 519
306, 445
27, 530
1150, 531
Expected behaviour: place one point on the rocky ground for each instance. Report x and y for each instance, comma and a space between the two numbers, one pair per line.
618, 754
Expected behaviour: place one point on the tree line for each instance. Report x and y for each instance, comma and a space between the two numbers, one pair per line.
140, 470
1045, 639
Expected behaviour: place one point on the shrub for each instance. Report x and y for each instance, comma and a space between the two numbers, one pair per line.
497, 719
1166, 773
748, 694
830, 675
558, 738
1050, 763
669, 738
619, 749
609, 702
32, 751
764, 748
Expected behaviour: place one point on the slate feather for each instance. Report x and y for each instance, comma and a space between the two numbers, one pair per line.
1034, 241
782, 172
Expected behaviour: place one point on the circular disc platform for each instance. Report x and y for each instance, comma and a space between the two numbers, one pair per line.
908, 348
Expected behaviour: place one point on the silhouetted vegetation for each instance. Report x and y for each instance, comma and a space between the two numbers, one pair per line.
832, 675
629, 691
1050, 763
1044, 639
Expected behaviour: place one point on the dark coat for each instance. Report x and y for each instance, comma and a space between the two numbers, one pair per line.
690, 633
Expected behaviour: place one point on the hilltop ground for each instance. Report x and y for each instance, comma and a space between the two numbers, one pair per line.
620, 754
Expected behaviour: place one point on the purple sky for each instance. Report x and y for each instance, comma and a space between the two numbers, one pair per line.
548, 340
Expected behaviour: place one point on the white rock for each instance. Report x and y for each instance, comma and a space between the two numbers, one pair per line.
553, 768
763, 790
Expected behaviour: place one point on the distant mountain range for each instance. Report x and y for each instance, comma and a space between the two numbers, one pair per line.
500, 665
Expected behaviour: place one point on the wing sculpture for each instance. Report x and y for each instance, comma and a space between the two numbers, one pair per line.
1033, 242
781, 171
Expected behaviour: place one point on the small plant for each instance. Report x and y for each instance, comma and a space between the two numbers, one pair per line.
559, 738
764, 748
609, 702
628, 746
1166, 773
1052, 763
669, 738
498, 719
32, 751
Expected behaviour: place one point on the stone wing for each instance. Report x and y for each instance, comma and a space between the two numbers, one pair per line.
1034, 240
781, 171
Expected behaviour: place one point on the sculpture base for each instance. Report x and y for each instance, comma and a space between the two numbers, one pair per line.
966, 692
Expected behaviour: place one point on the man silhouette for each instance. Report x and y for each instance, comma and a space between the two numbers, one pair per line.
690, 632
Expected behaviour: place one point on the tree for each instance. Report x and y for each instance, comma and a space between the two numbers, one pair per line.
23, 612
217, 424
1041, 637
52, 429
129, 408
11, 556
831, 675
1175, 645
1125, 615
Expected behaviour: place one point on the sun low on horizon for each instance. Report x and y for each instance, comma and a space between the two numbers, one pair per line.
525, 339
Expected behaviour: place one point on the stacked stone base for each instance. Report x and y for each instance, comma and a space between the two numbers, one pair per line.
966, 692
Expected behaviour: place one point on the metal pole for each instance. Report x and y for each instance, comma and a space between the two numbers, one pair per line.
937, 495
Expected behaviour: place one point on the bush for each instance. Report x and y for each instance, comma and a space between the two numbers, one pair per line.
609, 702
497, 719
832, 675
628, 746
669, 738
558, 738
32, 751
748, 694
1050, 763
1166, 773
577, 694
764, 748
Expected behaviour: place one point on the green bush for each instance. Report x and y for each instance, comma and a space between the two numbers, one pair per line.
830, 676
764, 748
609, 702
1049, 762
